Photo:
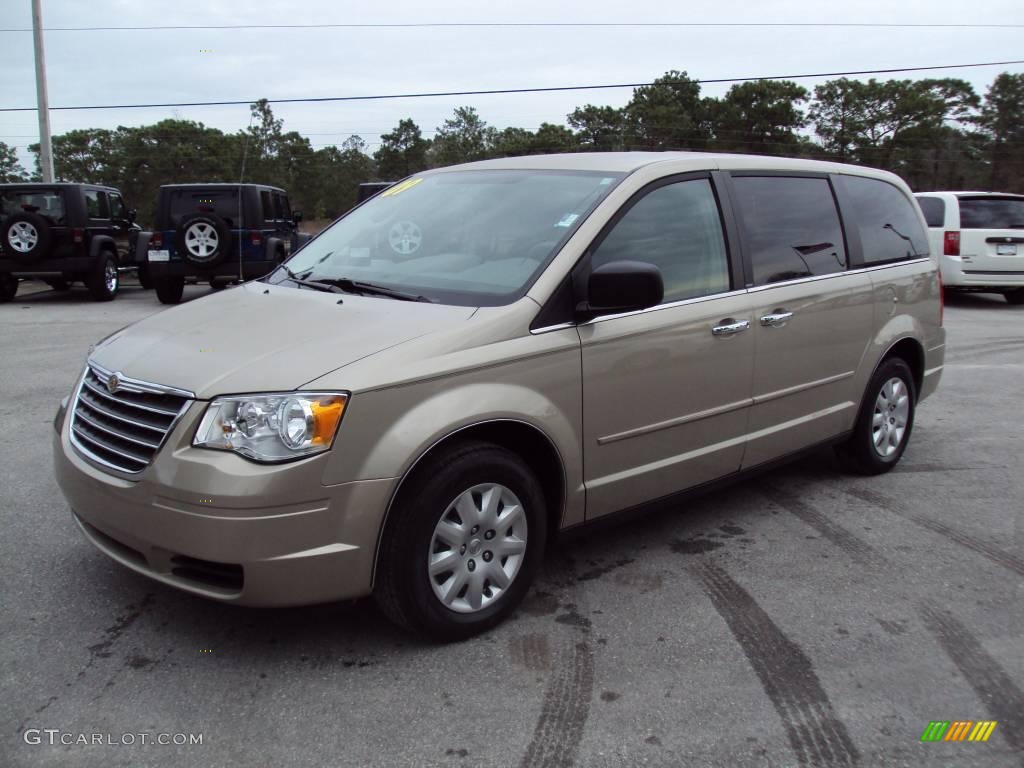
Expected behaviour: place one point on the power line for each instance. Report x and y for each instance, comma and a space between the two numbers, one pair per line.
534, 24
496, 91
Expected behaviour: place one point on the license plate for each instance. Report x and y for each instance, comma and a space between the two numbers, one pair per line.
1006, 249
159, 255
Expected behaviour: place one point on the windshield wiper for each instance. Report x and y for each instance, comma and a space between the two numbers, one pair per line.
371, 289
311, 283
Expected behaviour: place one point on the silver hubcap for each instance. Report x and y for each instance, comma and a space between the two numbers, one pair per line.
478, 548
22, 237
201, 240
892, 412
405, 237
110, 276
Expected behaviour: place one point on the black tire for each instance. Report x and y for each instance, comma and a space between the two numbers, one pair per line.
105, 280
219, 285
169, 289
1015, 297
145, 281
19, 225
859, 453
403, 589
202, 222
8, 287
58, 284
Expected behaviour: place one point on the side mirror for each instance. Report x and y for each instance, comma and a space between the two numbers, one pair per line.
296, 217
623, 286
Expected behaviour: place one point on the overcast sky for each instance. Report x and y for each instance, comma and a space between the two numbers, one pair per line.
169, 65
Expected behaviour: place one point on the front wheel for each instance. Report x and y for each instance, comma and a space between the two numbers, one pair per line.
884, 422
105, 281
463, 543
8, 287
169, 289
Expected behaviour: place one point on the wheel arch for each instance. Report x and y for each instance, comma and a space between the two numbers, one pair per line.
526, 440
911, 351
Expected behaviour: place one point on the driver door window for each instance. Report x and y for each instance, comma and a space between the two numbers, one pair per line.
677, 228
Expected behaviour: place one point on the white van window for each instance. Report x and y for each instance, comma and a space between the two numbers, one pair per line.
934, 210
791, 227
677, 228
992, 212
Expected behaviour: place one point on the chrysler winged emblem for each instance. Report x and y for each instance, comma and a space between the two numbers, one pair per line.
113, 383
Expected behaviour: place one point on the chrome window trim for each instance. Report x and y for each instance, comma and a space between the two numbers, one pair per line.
710, 297
133, 385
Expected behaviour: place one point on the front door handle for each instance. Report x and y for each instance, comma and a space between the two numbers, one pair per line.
776, 319
730, 327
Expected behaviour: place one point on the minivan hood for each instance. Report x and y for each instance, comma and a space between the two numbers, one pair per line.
265, 338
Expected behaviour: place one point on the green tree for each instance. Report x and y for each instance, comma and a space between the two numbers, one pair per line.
669, 114
402, 152
762, 117
462, 138
338, 174
10, 168
600, 129
1002, 121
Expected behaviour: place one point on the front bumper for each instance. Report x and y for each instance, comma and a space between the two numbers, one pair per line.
219, 526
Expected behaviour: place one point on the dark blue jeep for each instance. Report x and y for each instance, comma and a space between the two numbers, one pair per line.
221, 233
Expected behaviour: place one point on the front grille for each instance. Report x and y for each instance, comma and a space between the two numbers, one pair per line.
123, 429
225, 576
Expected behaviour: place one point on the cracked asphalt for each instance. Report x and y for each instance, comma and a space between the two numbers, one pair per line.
805, 617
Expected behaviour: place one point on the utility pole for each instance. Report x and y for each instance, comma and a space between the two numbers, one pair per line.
45, 148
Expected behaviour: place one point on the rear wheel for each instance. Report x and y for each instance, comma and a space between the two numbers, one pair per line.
144, 279
463, 542
8, 287
1015, 296
884, 422
219, 285
104, 282
169, 289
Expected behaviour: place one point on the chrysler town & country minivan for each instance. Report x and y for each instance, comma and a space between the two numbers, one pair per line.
483, 355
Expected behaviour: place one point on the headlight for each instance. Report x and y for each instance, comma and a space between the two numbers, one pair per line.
272, 427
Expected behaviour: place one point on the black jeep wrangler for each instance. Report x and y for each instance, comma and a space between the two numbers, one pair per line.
221, 233
62, 233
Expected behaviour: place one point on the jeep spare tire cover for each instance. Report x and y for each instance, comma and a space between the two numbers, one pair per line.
25, 236
203, 239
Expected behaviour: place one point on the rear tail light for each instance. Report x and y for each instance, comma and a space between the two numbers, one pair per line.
157, 240
257, 238
78, 235
942, 300
951, 244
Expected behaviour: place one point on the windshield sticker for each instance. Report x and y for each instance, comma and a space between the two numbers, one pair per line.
400, 188
606, 182
567, 220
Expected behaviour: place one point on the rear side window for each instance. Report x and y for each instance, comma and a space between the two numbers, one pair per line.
889, 227
96, 204
267, 203
117, 209
992, 212
791, 227
286, 209
223, 203
46, 203
677, 228
934, 210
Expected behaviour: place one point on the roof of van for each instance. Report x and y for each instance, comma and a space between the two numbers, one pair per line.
626, 162
978, 193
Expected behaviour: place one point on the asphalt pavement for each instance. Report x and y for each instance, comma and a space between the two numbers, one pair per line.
805, 617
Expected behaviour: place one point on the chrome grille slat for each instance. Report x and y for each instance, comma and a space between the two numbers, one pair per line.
85, 399
123, 401
104, 428
125, 428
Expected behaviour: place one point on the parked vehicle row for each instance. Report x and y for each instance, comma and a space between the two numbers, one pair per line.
216, 233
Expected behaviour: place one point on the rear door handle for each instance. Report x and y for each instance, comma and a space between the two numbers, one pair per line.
776, 319
730, 328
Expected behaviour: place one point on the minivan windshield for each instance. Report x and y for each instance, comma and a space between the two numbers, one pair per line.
992, 212
474, 238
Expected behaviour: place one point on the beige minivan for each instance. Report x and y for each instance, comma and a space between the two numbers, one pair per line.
483, 355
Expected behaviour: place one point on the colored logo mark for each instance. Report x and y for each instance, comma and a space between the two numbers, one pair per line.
958, 730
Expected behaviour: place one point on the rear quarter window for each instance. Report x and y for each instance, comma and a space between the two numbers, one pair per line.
934, 210
885, 219
47, 203
992, 212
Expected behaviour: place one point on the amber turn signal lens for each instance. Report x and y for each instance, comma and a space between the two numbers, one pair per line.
327, 413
